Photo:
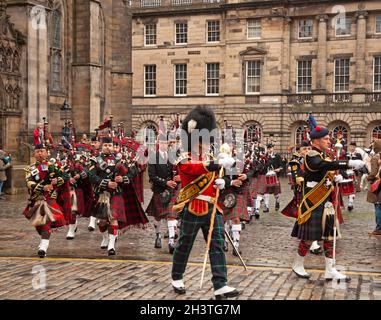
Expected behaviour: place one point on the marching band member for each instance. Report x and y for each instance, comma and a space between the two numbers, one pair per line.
164, 182
45, 181
95, 150
196, 201
114, 208
80, 188
235, 198
273, 162
315, 217
297, 171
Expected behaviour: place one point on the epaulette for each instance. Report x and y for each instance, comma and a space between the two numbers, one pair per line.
182, 157
313, 153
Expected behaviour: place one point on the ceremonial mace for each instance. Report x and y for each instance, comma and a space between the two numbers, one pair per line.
211, 229
339, 147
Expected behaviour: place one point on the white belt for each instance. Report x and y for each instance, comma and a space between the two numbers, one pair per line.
311, 184
205, 198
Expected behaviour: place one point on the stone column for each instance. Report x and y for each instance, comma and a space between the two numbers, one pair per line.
321, 84
121, 72
286, 62
360, 51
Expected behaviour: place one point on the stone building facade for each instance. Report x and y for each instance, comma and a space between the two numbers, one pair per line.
261, 65
57, 50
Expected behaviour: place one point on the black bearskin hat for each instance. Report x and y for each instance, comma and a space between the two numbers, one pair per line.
201, 117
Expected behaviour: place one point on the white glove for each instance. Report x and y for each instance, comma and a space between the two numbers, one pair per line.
227, 162
339, 178
220, 183
357, 164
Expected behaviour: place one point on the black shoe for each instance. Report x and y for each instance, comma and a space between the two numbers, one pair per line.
277, 205
158, 243
179, 290
235, 252
171, 248
243, 225
266, 209
111, 252
317, 251
257, 215
69, 238
228, 295
225, 246
41, 253
91, 229
350, 208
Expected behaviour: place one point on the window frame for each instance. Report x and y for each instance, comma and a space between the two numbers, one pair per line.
219, 31
145, 35
206, 79
375, 24
246, 76
334, 75
186, 33
350, 27
312, 28
175, 80
260, 28
374, 74
145, 81
297, 77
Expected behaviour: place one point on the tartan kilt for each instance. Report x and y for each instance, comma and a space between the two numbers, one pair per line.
157, 209
253, 187
240, 209
312, 229
80, 201
176, 191
134, 212
64, 200
263, 188
59, 217
291, 210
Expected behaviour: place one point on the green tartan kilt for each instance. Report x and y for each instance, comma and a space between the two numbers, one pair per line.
157, 209
312, 229
240, 209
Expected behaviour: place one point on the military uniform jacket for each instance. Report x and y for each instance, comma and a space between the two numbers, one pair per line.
105, 168
160, 172
40, 174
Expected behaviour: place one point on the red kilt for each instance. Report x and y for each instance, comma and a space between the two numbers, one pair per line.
64, 200
176, 191
135, 215
57, 213
253, 185
291, 210
240, 209
157, 209
263, 188
138, 186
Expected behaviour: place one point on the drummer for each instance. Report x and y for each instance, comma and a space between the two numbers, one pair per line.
355, 153
274, 163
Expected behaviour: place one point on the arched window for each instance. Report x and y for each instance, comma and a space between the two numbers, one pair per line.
376, 133
341, 129
56, 47
147, 135
300, 134
254, 131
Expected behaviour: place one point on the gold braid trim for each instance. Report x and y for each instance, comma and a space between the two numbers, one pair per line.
315, 197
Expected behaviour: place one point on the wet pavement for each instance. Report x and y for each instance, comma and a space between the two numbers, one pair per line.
266, 246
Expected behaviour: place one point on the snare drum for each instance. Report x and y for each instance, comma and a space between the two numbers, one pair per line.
347, 187
271, 178
351, 174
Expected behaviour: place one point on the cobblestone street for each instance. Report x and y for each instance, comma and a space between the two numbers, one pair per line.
79, 269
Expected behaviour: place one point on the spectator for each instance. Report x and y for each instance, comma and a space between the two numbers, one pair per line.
375, 197
4, 165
